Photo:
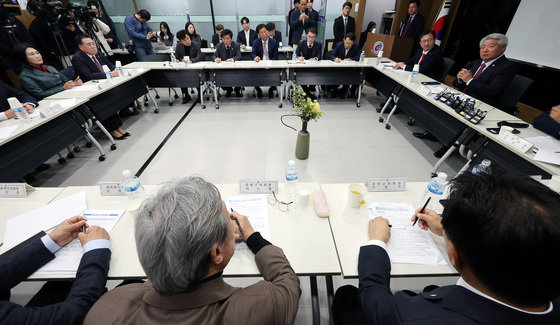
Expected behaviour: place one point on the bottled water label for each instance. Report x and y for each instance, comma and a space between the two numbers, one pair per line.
291, 177
435, 188
132, 187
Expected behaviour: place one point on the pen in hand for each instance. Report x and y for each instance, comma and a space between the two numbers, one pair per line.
84, 228
421, 211
238, 225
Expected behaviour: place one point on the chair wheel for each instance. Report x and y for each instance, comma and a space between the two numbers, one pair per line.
156, 110
89, 144
102, 158
70, 155
280, 106
217, 106
388, 126
203, 106
381, 119
358, 105
146, 104
61, 161
157, 96
170, 103
77, 149
114, 146
411, 123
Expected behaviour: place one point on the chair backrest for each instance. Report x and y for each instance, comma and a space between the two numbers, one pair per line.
157, 58
513, 93
203, 43
447, 65
294, 46
330, 44
69, 73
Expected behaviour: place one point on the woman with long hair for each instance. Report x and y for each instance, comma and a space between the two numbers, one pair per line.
189, 28
166, 36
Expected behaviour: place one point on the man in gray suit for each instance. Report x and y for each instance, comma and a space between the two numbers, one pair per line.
185, 238
228, 51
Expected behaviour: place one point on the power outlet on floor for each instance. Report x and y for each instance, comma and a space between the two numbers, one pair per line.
393, 184
255, 186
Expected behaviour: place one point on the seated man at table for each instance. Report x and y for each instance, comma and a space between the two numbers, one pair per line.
56, 302
502, 235
487, 78
429, 57
228, 51
186, 47
217, 37
273, 33
264, 48
6, 91
346, 50
247, 36
185, 237
549, 122
309, 50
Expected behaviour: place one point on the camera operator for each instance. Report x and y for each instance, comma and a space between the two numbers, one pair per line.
110, 35
93, 27
12, 32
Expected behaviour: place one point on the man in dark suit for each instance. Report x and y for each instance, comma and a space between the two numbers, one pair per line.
56, 303
413, 24
429, 57
309, 50
246, 36
264, 48
502, 234
273, 33
186, 47
549, 122
344, 24
228, 51
488, 77
313, 14
346, 50
217, 37
88, 62
291, 31
6, 91
301, 22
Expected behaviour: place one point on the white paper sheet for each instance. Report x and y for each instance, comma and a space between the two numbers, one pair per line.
408, 244
255, 207
68, 258
6, 131
400, 71
21, 227
548, 156
545, 142
66, 103
85, 87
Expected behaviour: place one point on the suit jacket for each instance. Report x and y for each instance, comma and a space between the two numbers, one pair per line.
86, 68
338, 28
339, 52
415, 28
258, 49
445, 305
432, 65
301, 50
272, 301
278, 36
546, 124
492, 83
194, 52
6, 91
298, 26
313, 18
216, 39
221, 51
88, 286
41, 84
241, 39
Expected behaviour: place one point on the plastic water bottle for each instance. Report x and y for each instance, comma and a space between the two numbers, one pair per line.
118, 66
134, 190
362, 56
19, 110
379, 57
211, 45
414, 75
294, 57
483, 167
173, 59
291, 179
435, 190
107, 72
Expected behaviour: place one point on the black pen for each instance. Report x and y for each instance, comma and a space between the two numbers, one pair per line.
422, 211
238, 225
84, 228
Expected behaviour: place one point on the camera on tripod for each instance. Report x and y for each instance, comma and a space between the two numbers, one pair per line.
85, 15
49, 10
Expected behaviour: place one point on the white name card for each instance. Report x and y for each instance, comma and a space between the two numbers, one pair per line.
8, 190
53, 109
249, 186
516, 142
111, 189
423, 90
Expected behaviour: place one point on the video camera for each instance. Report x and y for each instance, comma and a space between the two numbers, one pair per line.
46, 9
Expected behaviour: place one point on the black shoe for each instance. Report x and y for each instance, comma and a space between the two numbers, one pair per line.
126, 134
441, 151
186, 99
42, 167
239, 94
122, 137
259, 92
270, 92
228, 93
425, 135
135, 111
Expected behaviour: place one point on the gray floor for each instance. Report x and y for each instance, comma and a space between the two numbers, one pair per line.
245, 139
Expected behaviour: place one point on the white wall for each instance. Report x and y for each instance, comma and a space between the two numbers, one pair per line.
374, 11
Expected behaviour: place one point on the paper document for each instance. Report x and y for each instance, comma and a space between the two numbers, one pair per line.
400, 71
6, 131
66, 103
436, 89
255, 207
408, 244
28, 224
89, 86
68, 258
544, 142
548, 156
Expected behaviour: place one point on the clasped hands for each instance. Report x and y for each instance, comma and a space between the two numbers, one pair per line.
71, 228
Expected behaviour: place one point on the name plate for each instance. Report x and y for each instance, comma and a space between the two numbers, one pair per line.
111, 189
423, 90
516, 142
393, 184
105, 84
250, 186
51, 110
8, 190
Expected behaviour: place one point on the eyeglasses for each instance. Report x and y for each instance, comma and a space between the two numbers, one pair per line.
429, 40
282, 206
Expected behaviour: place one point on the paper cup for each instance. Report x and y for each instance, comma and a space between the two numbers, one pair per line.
302, 197
356, 193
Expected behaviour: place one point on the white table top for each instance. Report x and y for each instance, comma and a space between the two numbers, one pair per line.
327, 64
165, 65
270, 64
285, 49
350, 229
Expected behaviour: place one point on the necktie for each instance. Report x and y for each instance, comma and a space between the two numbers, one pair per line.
309, 51
422, 58
97, 63
406, 27
345, 21
479, 71
265, 50
228, 53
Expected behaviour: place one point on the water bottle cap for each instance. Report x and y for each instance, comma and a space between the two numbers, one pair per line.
442, 176
291, 163
486, 162
14, 102
126, 173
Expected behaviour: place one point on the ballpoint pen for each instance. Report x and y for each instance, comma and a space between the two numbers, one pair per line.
238, 226
422, 211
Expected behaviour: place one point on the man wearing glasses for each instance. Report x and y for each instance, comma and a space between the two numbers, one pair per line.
429, 57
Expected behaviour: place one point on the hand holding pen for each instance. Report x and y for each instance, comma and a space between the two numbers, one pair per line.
244, 229
428, 219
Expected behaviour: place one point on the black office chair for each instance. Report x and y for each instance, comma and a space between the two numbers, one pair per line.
160, 58
69, 73
447, 65
513, 93
203, 43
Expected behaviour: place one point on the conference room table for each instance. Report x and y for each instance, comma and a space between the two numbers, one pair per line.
35, 142
284, 53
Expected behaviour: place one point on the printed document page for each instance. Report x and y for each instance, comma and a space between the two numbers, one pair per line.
255, 207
